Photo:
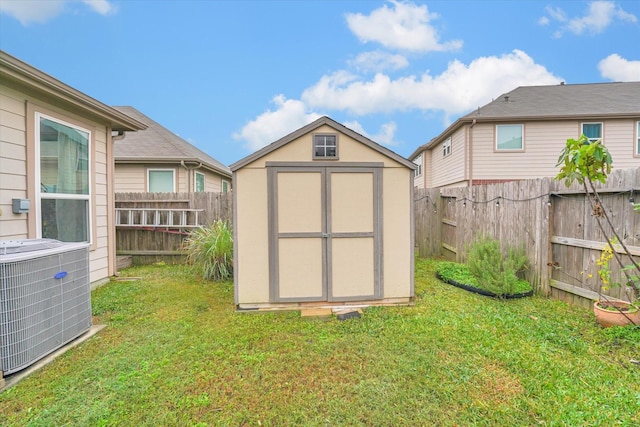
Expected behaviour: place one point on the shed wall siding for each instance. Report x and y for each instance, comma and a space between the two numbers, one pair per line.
252, 236
397, 240
252, 228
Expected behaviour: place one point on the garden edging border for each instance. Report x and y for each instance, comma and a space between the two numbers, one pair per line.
483, 291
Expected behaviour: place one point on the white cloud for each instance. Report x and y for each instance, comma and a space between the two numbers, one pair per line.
556, 13
458, 89
103, 7
385, 135
40, 11
379, 61
618, 69
405, 27
600, 15
270, 126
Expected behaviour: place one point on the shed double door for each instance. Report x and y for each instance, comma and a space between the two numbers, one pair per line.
325, 233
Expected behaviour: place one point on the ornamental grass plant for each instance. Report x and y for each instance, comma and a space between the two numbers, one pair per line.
210, 249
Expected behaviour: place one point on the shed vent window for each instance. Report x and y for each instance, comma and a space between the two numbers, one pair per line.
325, 146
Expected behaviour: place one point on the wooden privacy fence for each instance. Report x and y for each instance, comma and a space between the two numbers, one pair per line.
553, 223
152, 226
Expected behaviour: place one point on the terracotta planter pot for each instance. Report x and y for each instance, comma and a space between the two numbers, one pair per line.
607, 318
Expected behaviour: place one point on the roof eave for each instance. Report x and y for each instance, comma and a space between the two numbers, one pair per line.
172, 160
18, 72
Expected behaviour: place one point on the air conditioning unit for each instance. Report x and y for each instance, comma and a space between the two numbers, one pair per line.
45, 299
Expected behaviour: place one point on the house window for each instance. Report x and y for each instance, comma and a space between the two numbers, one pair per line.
325, 146
160, 181
199, 182
446, 147
64, 172
418, 162
638, 138
225, 186
509, 137
593, 131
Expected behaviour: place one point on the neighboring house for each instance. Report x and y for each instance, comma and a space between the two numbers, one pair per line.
158, 161
520, 134
56, 155
323, 217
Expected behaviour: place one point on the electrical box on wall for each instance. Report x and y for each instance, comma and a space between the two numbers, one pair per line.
21, 205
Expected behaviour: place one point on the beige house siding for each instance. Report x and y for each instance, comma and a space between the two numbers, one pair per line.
448, 169
543, 142
132, 178
212, 181
13, 163
427, 168
620, 137
17, 161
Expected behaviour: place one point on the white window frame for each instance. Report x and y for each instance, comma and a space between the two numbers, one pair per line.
497, 137
223, 188
418, 162
173, 181
637, 150
204, 183
62, 196
446, 147
324, 135
592, 140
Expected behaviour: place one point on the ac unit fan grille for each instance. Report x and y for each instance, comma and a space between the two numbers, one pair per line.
41, 308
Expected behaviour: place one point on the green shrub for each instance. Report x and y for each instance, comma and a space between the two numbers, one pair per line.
449, 270
211, 250
496, 270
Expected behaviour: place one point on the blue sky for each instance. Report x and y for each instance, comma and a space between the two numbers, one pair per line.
232, 76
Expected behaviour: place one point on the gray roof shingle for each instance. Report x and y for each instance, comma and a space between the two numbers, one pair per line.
595, 99
589, 101
157, 144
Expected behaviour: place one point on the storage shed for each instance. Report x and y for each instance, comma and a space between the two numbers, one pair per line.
323, 218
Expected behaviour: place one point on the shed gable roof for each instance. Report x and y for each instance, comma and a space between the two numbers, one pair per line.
310, 128
591, 101
157, 143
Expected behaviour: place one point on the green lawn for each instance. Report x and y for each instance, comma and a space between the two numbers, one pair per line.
174, 353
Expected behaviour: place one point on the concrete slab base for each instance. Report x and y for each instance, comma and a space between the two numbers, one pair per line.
15, 378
